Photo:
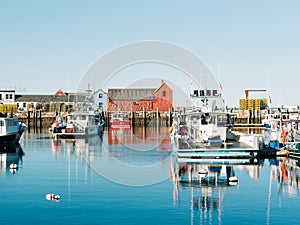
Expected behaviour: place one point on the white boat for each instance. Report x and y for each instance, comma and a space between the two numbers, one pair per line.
281, 128
11, 130
79, 125
207, 133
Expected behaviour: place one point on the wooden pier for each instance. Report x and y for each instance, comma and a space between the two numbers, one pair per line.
143, 118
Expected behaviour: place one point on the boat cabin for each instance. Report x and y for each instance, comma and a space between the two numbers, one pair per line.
9, 126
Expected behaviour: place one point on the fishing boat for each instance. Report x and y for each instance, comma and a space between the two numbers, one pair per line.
120, 120
281, 128
78, 125
207, 133
11, 130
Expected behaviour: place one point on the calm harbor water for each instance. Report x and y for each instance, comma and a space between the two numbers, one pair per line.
130, 178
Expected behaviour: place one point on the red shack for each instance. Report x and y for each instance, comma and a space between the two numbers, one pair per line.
139, 99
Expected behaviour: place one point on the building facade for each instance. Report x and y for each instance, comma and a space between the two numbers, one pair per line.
99, 99
7, 96
139, 99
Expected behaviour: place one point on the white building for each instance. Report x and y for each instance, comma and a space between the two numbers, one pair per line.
100, 100
7, 96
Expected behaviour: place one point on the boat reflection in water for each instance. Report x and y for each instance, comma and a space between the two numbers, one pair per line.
286, 172
11, 157
207, 183
75, 146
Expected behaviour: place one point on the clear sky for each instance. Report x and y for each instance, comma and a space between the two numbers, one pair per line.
47, 45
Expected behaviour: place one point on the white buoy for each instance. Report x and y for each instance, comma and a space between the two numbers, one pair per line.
13, 166
57, 198
50, 197
233, 183
233, 179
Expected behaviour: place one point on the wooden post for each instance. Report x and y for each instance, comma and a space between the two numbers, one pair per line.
28, 121
35, 120
170, 118
41, 126
132, 119
157, 117
144, 117
107, 118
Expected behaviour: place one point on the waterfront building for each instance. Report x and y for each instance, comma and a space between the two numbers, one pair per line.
139, 99
7, 96
99, 100
59, 101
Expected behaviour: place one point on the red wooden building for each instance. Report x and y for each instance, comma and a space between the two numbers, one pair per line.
139, 99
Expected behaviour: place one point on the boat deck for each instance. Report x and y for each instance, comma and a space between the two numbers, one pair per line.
232, 149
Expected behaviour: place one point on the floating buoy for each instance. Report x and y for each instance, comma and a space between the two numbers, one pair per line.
233, 179
233, 183
57, 198
13, 171
50, 197
13, 166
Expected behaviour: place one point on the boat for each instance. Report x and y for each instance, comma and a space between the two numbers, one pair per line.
120, 120
207, 133
78, 125
11, 130
281, 128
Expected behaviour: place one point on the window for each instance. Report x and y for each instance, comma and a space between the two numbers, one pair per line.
100, 95
10, 96
100, 104
6, 96
164, 94
0, 96
24, 104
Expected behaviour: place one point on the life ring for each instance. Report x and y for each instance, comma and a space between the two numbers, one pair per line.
184, 130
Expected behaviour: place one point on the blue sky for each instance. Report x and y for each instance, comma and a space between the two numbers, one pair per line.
47, 45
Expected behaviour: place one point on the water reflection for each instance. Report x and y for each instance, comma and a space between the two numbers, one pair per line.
11, 158
286, 172
207, 184
155, 137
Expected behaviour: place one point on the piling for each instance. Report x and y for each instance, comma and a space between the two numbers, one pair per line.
144, 118
132, 118
28, 121
40, 118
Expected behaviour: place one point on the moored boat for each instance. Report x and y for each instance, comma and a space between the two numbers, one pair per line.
11, 130
207, 133
78, 125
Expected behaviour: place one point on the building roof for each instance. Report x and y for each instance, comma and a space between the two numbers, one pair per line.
6, 90
132, 94
59, 93
50, 98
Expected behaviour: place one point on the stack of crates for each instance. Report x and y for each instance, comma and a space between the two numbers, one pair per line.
253, 104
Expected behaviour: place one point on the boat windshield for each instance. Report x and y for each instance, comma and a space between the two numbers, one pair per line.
207, 119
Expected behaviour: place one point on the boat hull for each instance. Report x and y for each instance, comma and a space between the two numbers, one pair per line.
125, 124
90, 131
8, 139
